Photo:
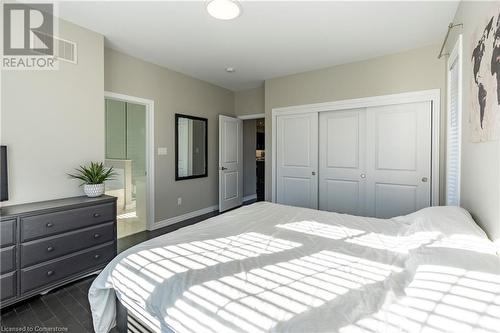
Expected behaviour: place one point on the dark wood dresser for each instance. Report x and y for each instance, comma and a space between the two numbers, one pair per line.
46, 244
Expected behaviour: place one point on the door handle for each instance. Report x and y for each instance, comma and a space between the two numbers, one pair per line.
425, 179
362, 175
313, 173
223, 168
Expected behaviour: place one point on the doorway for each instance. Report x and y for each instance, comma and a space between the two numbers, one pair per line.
128, 151
254, 159
260, 156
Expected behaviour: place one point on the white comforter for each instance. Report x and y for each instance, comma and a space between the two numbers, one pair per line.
268, 267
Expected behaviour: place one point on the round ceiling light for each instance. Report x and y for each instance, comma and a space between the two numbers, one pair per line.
224, 9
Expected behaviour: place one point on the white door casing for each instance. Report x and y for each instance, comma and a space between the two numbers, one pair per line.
297, 142
150, 151
230, 162
398, 174
342, 165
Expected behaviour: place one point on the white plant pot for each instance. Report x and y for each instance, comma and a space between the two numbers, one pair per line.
93, 190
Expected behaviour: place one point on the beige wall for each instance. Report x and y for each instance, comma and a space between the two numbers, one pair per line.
480, 181
403, 72
173, 93
53, 121
249, 162
249, 101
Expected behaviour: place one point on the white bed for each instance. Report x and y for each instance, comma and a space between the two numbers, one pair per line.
268, 267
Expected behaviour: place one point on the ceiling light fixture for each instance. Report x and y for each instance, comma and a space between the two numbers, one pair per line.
224, 9
230, 69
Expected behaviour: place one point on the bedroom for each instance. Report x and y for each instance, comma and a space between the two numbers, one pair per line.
351, 133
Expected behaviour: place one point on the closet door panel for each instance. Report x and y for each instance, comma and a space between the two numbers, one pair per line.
342, 161
297, 160
398, 159
396, 139
395, 200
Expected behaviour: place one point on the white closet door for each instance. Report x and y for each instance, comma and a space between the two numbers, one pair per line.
297, 160
398, 159
342, 143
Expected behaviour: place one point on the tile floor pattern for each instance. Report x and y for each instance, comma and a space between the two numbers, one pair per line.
129, 223
68, 306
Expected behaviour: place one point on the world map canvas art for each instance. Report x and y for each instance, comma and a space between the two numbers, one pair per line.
485, 83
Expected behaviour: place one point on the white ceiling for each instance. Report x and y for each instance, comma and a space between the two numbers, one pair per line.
269, 39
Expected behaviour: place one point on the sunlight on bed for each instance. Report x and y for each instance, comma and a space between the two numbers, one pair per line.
140, 273
321, 229
440, 298
466, 242
400, 244
396, 243
258, 300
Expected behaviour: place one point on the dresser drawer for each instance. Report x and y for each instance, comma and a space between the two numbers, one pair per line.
56, 246
43, 275
7, 233
8, 285
54, 223
7, 259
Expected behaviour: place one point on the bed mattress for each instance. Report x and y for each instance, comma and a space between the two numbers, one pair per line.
275, 268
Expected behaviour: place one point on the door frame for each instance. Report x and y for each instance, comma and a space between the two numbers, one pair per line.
150, 151
252, 116
432, 95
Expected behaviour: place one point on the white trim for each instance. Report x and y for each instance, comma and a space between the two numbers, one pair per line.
250, 197
183, 217
150, 152
455, 55
432, 95
252, 116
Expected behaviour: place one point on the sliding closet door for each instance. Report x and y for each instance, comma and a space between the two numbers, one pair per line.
297, 160
398, 159
342, 142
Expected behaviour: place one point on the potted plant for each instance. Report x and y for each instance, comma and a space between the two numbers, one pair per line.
93, 177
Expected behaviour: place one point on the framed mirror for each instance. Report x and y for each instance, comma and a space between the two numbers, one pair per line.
191, 153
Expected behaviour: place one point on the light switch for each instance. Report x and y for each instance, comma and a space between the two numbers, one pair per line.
162, 150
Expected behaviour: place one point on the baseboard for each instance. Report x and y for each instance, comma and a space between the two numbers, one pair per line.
249, 197
179, 218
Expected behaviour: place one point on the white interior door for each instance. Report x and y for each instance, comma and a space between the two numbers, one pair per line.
230, 163
342, 143
297, 160
398, 174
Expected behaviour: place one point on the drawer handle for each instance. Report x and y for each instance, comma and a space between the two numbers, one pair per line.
97, 256
49, 225
97, 215
50, 273
96, 236
50, 249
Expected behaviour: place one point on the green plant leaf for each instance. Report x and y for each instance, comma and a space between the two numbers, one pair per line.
95, 173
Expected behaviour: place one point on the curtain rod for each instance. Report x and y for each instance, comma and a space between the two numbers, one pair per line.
450, 26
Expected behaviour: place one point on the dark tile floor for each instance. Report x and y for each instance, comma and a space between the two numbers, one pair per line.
67, 309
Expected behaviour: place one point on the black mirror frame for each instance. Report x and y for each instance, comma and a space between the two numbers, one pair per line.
205, 120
